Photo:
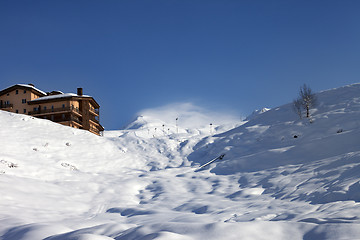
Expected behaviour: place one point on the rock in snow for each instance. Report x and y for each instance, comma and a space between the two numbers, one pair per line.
281, 177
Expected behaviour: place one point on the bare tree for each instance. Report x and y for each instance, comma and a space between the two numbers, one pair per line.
306, 100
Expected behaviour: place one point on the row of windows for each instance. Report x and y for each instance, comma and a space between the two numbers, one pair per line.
52, 107
35, 109
16, 92
22, 101
17, 111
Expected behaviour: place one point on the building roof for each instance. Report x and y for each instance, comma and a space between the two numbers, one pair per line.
46, 97
64, 95
54, 98
23, 86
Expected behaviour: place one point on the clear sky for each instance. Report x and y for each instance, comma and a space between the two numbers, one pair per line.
132, 55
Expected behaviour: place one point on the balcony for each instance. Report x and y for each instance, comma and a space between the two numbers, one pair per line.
94, 110
54, 110
69, 119
95, 119
97, 131
60, 118
6, 106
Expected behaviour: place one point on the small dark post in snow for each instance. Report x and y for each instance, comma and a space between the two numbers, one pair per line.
177, 129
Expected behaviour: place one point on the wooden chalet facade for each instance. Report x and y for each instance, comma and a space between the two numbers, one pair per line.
73, 110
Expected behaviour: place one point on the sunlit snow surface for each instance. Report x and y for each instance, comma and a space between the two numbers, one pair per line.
281, 177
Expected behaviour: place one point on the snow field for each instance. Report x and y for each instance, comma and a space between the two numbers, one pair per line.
281, 177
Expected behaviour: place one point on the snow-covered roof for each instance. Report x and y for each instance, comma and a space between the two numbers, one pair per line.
27, 86
57, 91
65, 95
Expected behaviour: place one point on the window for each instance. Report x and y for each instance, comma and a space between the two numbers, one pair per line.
24, 110
45, 108
8, 94
63, 116
17, 111
24, 91
63, 105
35, 109
23, 100
17, 92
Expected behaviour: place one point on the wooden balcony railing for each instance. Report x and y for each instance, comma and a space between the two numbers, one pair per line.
59, 119
95, 130
95, 110
6, 106
95, 119
53, 110
68, 120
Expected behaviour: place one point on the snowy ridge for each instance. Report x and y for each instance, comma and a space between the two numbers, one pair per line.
256, 113
281, 177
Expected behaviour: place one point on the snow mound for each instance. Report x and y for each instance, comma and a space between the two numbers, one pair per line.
321, 154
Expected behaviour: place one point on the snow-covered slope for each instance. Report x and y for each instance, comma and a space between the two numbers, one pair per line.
281, 177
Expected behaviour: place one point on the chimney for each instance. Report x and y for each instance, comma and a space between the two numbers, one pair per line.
30, 84
80, 91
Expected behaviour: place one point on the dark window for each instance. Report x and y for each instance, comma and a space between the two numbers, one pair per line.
23, 100
24, 91
17, 111
44, 108
35, 109
8, 94
63, 105
24, 110
17, 92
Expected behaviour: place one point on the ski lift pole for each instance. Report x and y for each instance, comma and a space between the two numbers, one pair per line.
177, 129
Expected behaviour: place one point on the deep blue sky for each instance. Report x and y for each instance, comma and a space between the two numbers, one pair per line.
131, 55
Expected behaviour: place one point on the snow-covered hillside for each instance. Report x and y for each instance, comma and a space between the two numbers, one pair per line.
281, 177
